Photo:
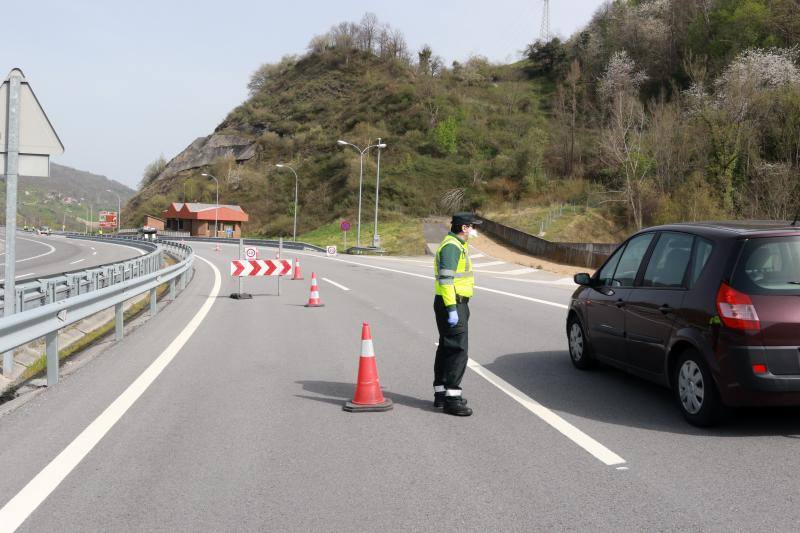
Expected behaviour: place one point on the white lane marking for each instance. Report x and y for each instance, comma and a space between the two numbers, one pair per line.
489, 264
564, 281
94, 253
20, 507
556, 422
21, 276
476, 256
50, 251
78, 261
495, 291
336, 284
520, 271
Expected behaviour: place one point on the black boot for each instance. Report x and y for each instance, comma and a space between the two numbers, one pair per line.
456, 405
438, 399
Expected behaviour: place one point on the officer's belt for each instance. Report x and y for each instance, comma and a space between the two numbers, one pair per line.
462, 299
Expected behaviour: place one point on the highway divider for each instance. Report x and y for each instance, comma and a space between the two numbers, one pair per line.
69, 298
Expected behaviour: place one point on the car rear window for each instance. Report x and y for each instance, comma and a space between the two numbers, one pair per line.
769, 266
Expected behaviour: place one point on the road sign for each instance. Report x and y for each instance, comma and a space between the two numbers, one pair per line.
260, 267
37, 138
251, 253
331, 251
108, 219
345, 225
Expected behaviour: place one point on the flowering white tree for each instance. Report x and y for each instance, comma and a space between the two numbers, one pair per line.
620, 77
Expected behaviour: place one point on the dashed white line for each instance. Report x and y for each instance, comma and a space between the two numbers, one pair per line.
336, 284
20, 507
78, 261
21, 276
489, 264
562, 426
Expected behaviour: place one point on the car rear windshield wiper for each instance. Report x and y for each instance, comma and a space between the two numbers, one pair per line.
793, 282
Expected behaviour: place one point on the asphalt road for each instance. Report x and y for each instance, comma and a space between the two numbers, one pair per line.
44, 255
226, 415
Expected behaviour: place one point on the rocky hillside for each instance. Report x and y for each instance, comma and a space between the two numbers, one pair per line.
454, 136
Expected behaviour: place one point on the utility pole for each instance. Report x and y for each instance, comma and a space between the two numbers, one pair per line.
12, 167
544, 32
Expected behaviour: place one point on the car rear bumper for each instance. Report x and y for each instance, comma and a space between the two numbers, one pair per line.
780, 385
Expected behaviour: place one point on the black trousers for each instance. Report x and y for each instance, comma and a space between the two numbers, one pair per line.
451, 355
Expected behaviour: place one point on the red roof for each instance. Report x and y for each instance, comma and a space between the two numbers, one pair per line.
192, 211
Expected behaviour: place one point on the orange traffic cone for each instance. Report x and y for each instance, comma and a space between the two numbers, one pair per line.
298, 276
368, 395
313, 299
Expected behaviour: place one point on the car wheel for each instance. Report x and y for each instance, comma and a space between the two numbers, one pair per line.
695, 390
579, 351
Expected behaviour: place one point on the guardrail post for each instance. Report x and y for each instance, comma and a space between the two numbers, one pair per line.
8, 363
51, 351
119, 320
153, 301
172, 289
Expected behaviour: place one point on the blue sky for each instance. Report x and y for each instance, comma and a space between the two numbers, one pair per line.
123, 82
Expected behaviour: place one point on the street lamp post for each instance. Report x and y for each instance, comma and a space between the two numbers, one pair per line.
375, 237
281, 165
119, 208
216, 208
360, 180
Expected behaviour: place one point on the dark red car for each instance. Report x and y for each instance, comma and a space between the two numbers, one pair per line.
711, 310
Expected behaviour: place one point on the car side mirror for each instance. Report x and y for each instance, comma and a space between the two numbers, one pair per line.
583, 279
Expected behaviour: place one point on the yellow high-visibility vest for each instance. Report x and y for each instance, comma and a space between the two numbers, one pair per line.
450, 283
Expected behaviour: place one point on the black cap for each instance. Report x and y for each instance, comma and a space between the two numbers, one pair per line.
465, 219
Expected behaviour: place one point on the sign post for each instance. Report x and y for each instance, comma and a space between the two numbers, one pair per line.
27, 140
243, 255
345, 227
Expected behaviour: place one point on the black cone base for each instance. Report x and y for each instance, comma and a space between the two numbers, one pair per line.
241, 296
351, 407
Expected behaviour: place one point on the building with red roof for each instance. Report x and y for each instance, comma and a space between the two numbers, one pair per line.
198, 219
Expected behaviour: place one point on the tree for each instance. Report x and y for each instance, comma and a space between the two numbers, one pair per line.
545, 57
152, 171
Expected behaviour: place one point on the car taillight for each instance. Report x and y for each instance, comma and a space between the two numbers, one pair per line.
736, 309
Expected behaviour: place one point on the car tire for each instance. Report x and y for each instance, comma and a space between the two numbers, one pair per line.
695, 390
580, 352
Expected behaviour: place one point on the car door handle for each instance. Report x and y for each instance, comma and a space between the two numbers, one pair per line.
620, 303
665, 309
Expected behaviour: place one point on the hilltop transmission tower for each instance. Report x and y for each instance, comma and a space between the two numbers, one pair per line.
544, 32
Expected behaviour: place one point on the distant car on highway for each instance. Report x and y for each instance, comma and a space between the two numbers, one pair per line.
710, 310
44, 230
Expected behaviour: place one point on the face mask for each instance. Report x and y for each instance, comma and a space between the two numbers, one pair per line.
473, 233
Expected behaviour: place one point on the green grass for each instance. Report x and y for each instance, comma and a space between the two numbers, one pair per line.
397, 237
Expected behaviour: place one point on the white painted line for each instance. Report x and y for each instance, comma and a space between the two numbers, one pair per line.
495, 291
336, 284
556, 422
563, 282
50, 251
78, 261
94, 253
489, 264
520, 271
476, 256
20, 507
21, 276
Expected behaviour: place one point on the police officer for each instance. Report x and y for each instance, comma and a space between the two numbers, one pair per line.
454, 287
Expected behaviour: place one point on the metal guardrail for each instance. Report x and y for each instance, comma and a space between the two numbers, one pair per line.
267, 243
56, 287
579, 254
66, 299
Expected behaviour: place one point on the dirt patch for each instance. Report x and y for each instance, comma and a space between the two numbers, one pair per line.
500, 251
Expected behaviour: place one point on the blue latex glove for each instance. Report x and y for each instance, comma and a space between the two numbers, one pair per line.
452, 318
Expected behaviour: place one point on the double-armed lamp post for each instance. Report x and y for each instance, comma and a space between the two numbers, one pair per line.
282, 165
361, 152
